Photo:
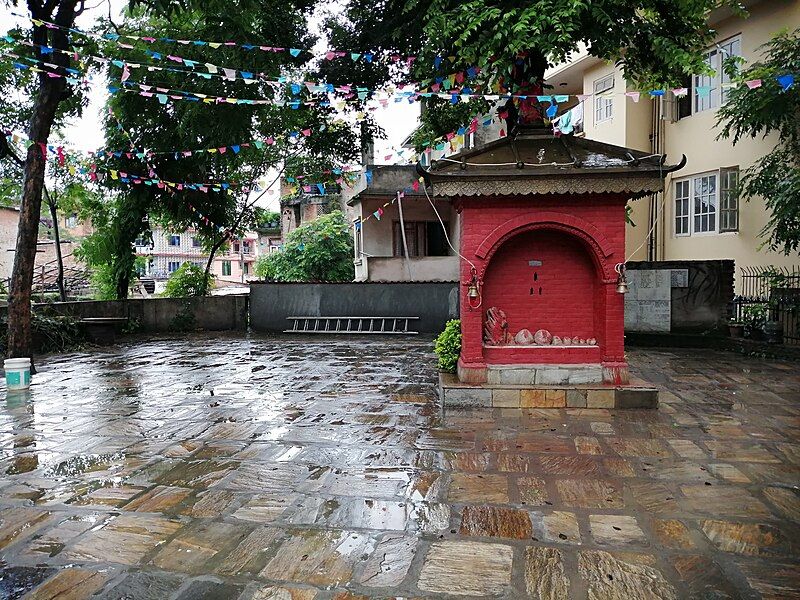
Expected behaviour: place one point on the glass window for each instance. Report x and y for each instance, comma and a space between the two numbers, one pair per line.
246, 247
682, 207
226, 267
174, 240
71, 221
729, 199
711, 91
603, 98
195, 242
173, 266
246, 268
705, 203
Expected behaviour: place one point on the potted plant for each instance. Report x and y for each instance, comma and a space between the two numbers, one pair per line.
773, 331
736, 328
755, 316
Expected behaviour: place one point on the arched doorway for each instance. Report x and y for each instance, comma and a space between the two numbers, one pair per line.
547, 279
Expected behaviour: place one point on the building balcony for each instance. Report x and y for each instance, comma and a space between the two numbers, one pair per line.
395, 268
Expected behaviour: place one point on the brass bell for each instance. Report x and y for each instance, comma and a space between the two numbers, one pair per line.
472, 290
622, 285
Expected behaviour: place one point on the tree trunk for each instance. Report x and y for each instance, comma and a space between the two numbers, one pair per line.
52, 203
217, 245
51, 92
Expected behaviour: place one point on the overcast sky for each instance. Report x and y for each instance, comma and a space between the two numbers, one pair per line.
397, 119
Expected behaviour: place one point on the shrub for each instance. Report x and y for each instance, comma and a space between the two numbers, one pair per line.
448, 346
188, 281
51, 333
321, 250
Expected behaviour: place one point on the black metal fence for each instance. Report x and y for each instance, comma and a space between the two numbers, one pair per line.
769, 303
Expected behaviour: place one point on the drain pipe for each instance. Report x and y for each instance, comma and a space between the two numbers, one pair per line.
403, 235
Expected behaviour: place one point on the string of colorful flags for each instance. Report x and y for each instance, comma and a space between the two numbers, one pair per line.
231, 73
368, 56
163, 94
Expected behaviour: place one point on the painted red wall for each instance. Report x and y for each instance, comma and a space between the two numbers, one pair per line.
579, 241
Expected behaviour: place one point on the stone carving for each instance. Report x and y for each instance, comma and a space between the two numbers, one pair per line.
592, 342
556, 341
495, 330
567, 341
582, 342
542, 337
576, 340
524, 337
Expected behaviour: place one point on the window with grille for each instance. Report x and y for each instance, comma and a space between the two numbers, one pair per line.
226, 267
729, 199
682, 207
173, 266
424, 238
603, 98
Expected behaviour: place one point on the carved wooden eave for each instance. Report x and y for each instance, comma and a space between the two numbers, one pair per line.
534, 162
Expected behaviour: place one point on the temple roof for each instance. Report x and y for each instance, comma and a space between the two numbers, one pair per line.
534, 161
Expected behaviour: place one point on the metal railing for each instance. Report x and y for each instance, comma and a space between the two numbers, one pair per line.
769, 294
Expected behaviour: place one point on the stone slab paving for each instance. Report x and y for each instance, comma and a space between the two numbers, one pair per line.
304, 468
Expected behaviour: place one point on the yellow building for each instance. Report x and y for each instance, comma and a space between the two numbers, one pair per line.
697, 217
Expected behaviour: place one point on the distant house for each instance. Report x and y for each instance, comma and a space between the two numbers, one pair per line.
400, 239
169, 250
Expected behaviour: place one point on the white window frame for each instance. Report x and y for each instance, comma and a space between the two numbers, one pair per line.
685, 214
172, 237
170, 270
603, 107
699, 210
718, 94
724, 179
729, 199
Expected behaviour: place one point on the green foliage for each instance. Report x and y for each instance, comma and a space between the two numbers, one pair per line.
51, 333
134, 325
321, 250
266, 219
448, 346
771, 110
184, 320
440, 117
188, 281
755, 317
265, 267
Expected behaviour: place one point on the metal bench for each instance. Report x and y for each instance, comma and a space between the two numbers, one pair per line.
103, 330
365, 325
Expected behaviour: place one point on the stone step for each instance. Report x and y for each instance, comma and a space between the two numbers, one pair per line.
637, 394
545, 374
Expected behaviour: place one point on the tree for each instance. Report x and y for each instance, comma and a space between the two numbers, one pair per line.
49, 96
771, 109
225, 213
512, 42
321, 250
188, 281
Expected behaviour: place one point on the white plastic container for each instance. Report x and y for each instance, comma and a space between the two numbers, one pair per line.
18, 373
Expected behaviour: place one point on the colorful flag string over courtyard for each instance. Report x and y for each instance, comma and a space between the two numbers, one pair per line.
367, 56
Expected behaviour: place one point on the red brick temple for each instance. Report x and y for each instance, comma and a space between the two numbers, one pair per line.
543, 252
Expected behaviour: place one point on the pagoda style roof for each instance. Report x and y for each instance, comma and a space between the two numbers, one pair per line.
533, 161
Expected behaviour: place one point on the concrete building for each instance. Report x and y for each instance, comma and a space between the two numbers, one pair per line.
168, 251
698, 216
411, 222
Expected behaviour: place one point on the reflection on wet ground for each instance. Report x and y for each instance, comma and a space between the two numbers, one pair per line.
255, 468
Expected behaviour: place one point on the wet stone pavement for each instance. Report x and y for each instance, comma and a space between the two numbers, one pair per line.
285, 468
